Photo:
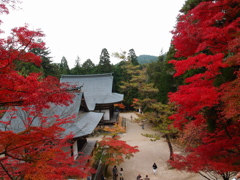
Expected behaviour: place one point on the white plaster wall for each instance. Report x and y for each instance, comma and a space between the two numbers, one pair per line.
75, 150
106, 115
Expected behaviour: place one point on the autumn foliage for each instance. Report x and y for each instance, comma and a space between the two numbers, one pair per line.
116, 150
207, 38
111, 149
32, 150
39, 152
17, 89
116, 129
120, 105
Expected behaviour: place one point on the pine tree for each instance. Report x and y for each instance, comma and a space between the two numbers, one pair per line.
132, 57
77, 69
104, 65
49, 69
64, 68
88, 67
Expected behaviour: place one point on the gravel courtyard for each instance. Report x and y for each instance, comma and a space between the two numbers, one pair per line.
150, 152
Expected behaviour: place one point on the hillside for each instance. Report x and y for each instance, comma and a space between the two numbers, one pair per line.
143, 59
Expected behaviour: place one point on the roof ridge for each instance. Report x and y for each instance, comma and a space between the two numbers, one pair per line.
87, 75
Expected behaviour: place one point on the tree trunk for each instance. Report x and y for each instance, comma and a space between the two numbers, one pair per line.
170, 146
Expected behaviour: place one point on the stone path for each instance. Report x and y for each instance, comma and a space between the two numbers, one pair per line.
150, 152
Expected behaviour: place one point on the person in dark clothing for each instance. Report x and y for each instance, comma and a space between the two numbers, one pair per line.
154, 168
139, 177
146, 178
103, 178
115, 173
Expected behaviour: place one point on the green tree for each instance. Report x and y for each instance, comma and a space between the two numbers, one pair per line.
158, 116
153, 110
104, 65
190, 4
49, 69
140, 90
25, 68
132, 57
88, 67
119, 74
161, 74
128, 69
146, 91
64, 68
77, 70
129, 86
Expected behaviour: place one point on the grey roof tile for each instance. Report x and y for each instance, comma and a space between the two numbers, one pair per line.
83, 124
97, 88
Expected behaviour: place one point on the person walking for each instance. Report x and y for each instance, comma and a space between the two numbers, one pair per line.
121, 174
142, 124
146, 178
154, 166
115, 172
139, 177
103, 178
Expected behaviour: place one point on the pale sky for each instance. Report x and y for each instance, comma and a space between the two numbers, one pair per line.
84, 27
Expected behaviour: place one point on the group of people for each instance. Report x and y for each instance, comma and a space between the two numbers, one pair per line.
115, 173
139, 177
154, 166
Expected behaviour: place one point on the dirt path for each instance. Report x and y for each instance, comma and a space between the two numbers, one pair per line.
150, 152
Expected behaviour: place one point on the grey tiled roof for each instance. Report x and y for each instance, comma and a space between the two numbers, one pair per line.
100, 84
92, 100
97, 88
83, 125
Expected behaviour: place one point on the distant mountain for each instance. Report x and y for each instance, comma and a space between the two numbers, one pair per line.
143, 59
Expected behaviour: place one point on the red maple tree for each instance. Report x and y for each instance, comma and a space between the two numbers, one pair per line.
207, 37
35, 151
39, 152
117, 150
16, 89
111, 149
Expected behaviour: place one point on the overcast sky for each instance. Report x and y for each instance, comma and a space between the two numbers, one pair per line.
84, 27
